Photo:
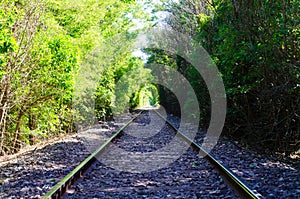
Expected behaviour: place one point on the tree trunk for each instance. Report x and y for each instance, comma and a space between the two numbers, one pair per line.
17, 131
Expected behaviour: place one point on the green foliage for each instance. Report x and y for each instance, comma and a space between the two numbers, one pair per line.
7, 41
148, 96
120, 87
42, 47
255, 45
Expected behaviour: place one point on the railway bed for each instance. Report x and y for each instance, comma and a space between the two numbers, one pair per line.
142, 153
189, 176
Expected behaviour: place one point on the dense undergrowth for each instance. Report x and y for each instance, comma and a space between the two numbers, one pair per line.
255, 45
48, 46
44, 47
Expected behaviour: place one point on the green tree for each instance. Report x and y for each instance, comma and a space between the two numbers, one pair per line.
43, 44
255, 45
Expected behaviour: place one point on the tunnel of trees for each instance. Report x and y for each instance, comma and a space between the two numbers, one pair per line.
46, 46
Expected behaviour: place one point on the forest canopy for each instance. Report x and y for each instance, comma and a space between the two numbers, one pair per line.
43, 48
52, 53
255, 45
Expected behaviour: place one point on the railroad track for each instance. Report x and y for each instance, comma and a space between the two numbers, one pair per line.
81, 170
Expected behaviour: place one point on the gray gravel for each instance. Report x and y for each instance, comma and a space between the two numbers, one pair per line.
30, 176
33, 174
270, 177
187, 177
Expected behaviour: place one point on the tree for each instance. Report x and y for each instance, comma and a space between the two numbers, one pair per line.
255, 45
42, 47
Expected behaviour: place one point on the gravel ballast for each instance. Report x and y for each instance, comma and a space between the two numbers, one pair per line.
190, 176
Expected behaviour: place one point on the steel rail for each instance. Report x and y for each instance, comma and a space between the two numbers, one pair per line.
234, 182
60, 188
